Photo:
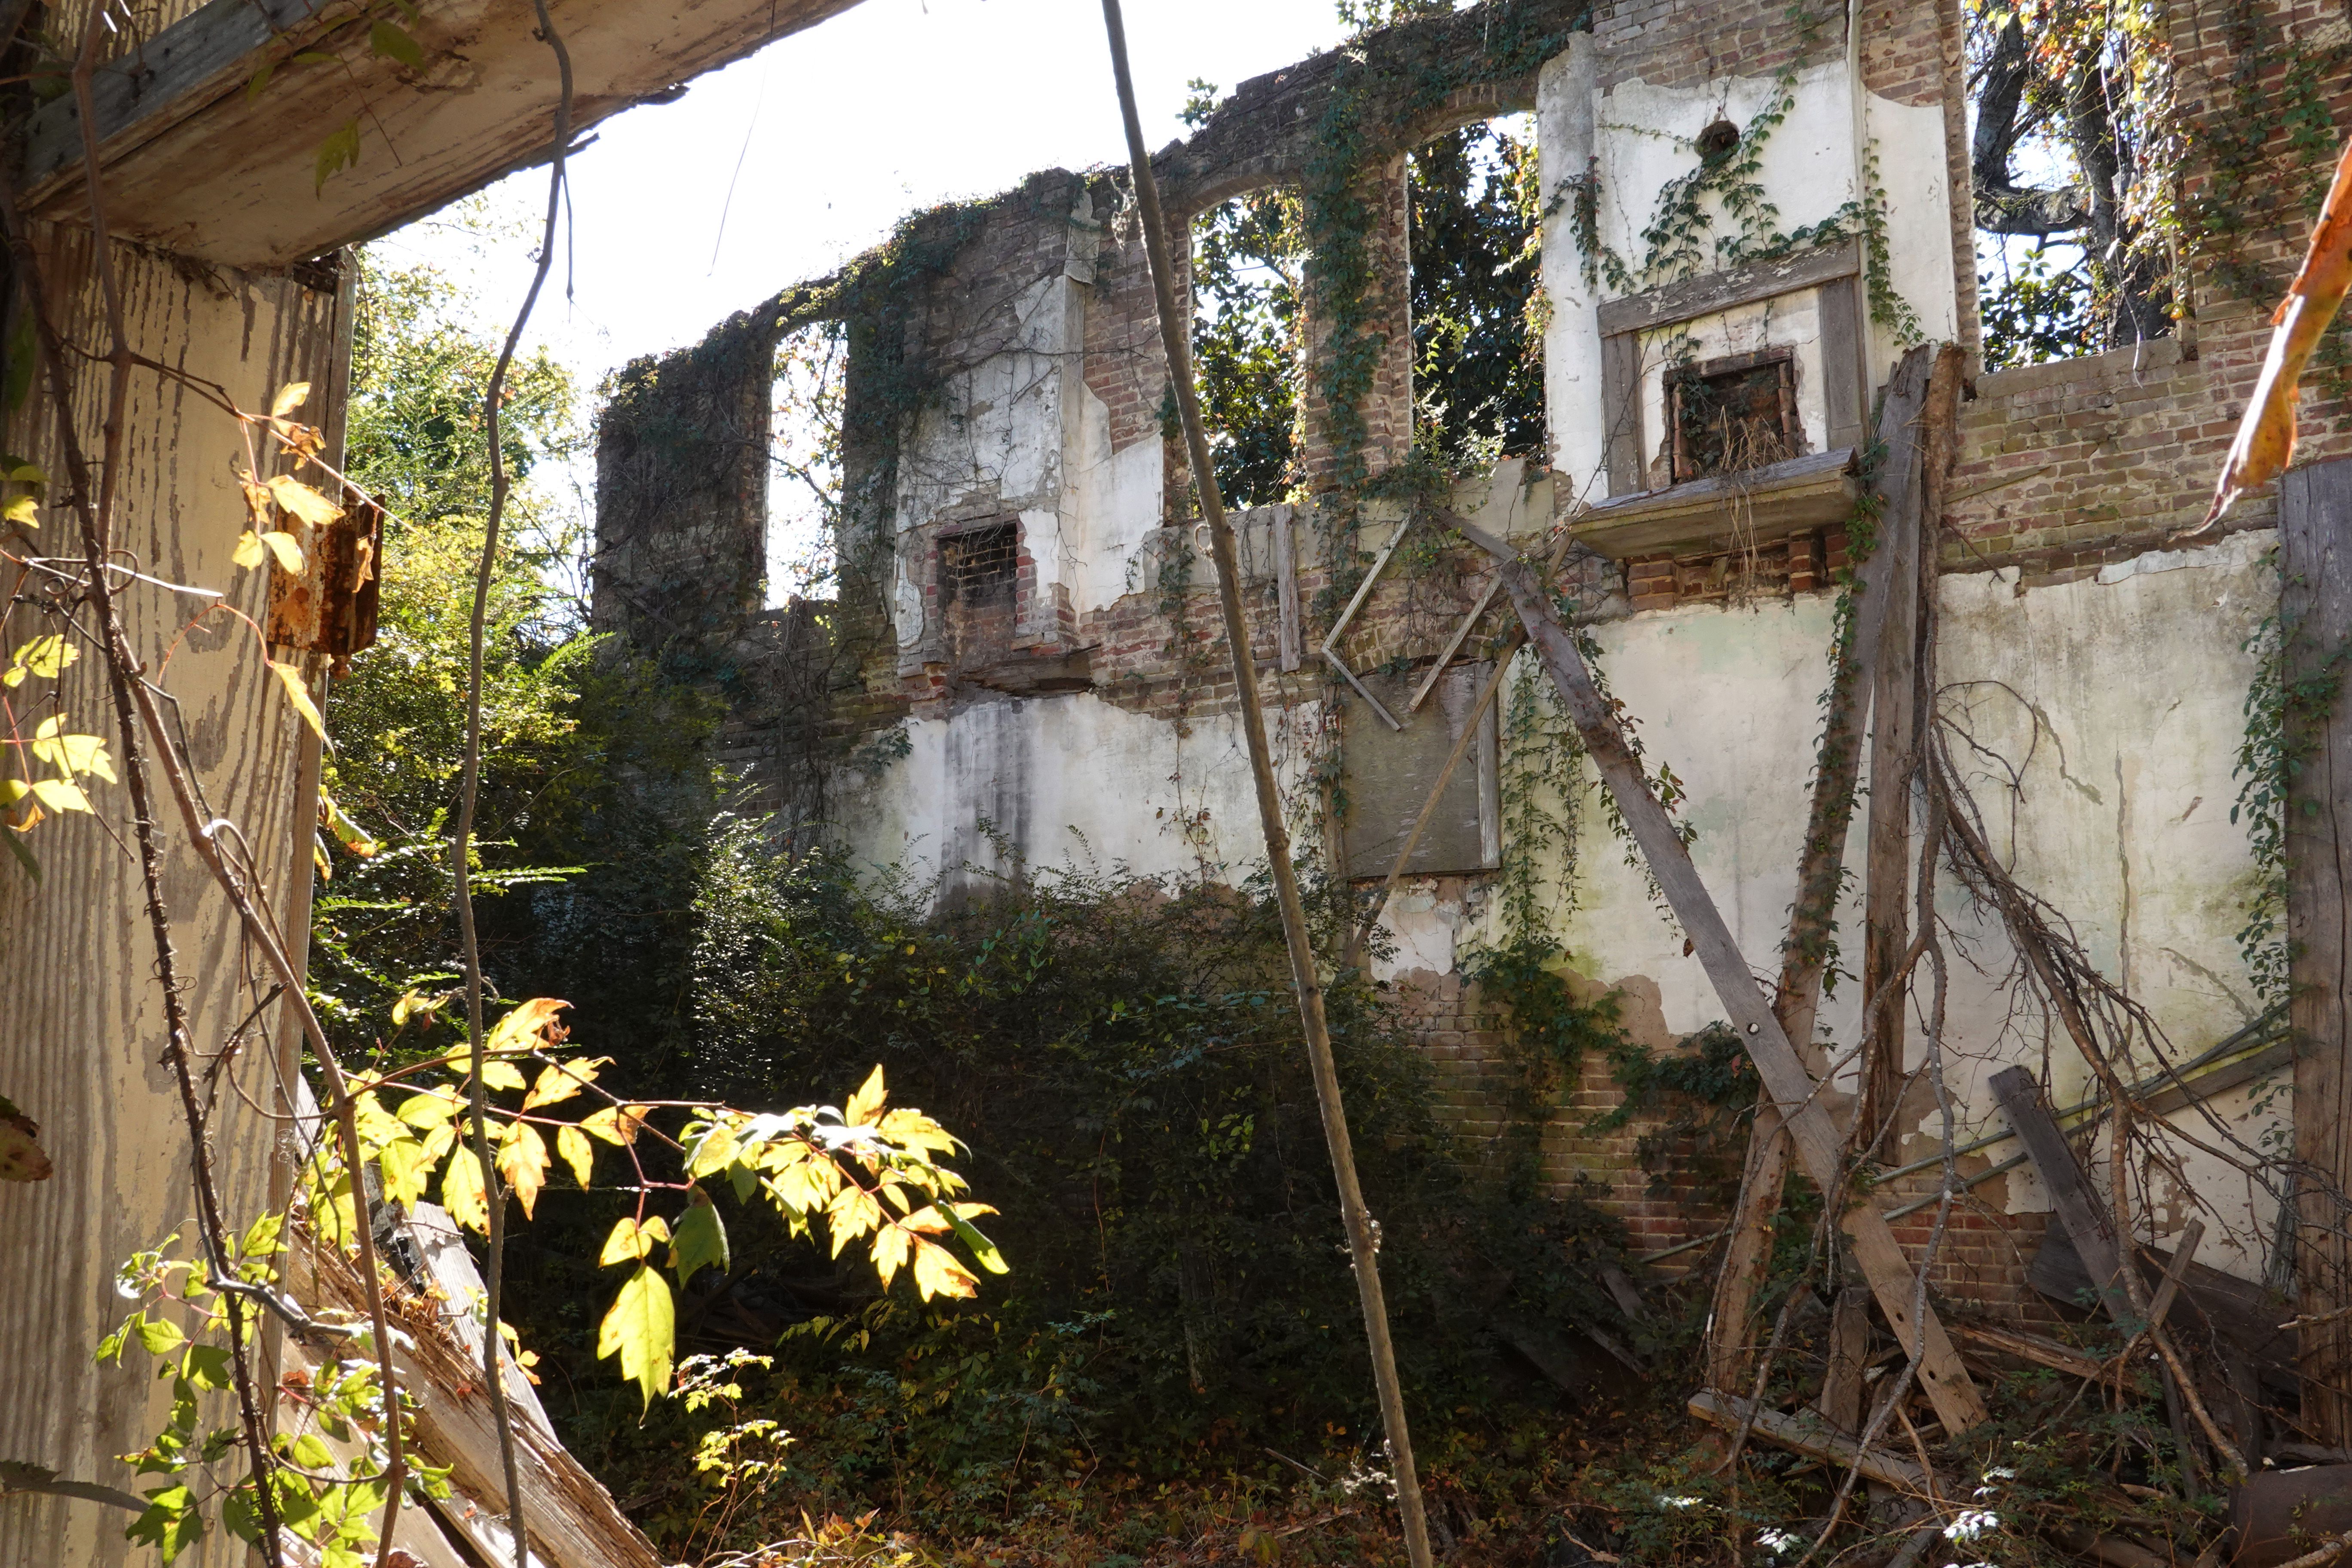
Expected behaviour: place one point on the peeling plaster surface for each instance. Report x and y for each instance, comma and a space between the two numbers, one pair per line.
1068, 782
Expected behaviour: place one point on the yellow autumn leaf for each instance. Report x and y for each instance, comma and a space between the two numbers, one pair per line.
851, 1215
298, 692
289, 554
889, 1252
632, 1242
426, 1112
290, 397
24, 509
526, 1027
937, 1272
496, 1074
302, 500
714, 1152
577, 1152
562, 1081
62, 794
866, 1101
250, 552
462, 1191
71, 754
522, 1161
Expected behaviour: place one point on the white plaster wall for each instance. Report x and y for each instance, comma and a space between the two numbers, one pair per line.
1111, 506
1069, 781
2118, 702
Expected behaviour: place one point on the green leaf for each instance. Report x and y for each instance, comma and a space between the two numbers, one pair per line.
701, 1239
161, 1335
171, 1523
340, 151
984, 1250
311, 1453
239, 1516
262, 1239
642, 1329
254, 85
24, 509
392, 41
206, 1366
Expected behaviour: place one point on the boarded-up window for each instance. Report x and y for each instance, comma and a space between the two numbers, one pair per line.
1387, 776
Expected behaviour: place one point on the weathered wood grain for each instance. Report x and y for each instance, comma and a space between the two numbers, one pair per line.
80, 1021
2316, 605
197, 164
1730, 289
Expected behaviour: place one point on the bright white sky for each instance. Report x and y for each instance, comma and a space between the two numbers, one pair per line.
840, 130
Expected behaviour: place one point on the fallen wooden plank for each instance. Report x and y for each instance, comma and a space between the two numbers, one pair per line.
2239, 1311
1808, 1433
1892, 1277
197, 163
2034, 1348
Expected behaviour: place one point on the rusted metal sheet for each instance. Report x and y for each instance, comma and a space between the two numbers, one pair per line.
2281, 1514
329, 607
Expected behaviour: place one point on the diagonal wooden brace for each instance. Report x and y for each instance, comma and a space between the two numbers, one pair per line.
1815, 1137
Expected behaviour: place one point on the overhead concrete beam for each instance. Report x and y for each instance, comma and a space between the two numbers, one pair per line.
210, 133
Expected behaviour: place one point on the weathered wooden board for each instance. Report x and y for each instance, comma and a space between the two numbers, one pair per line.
1730, 289
198, 164
2315, 601
80, 1020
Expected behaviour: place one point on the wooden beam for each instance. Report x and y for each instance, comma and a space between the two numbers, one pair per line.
1840, 1403
2034, 1348
2316, 605
1730, 289
1882, 581
2070, 1192
1893, 1278
1807, 1434
1621, 405
197, 164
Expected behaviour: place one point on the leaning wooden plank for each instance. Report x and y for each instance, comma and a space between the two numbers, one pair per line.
2070, 1193
1893, 1279
1885, 583
1808, 1433
1840, 1403
1915, 447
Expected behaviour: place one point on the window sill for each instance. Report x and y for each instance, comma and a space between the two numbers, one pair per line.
1725, 511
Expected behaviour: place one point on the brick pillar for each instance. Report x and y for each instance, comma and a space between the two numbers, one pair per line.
1385, 329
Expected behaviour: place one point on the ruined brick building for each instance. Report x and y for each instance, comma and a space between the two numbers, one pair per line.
1021, 669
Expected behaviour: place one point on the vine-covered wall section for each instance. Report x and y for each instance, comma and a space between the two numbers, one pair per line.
1019, 668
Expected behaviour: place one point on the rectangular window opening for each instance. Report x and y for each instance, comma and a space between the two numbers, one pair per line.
1729, 416
981, 565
